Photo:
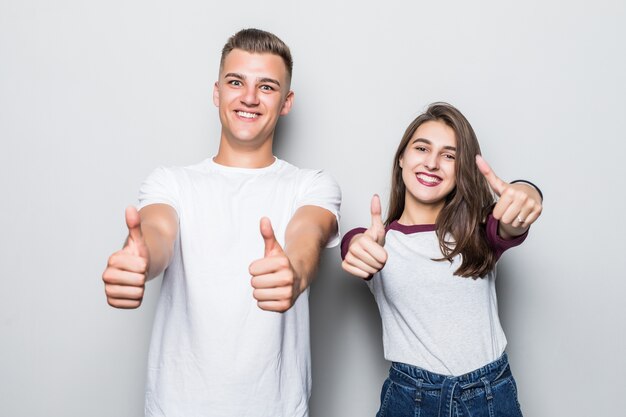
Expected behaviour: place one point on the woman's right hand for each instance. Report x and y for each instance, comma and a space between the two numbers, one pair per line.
366, 253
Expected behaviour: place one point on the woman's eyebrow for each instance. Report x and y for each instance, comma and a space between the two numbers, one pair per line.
428, 142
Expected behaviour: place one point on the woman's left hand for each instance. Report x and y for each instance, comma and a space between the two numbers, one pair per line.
519, 205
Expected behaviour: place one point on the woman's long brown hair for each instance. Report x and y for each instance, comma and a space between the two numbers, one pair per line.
460, 224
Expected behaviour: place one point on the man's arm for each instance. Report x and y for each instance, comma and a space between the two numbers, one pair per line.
159, 224
146, 253
306, 236
283, 274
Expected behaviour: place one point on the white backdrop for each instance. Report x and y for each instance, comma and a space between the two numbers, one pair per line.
94, 95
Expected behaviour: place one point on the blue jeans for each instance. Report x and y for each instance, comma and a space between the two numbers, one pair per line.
489, 391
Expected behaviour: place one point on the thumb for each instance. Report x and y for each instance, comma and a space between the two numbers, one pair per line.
496, 184
271, 244
377, 228
133, 221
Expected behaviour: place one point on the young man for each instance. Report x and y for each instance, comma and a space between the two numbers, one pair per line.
238, 237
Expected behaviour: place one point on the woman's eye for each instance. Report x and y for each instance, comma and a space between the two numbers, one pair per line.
420, 149
449, 156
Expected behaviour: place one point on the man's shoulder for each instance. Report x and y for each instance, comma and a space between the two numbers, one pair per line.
178, 170
287, 168
313, 184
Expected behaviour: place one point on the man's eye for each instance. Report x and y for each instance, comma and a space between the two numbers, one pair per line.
236, 83
266, 88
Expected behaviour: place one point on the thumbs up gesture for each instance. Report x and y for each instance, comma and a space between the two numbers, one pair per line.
125, 275
273, 277
518, 206
366, 254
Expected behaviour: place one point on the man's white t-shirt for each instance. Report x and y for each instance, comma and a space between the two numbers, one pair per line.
213, 351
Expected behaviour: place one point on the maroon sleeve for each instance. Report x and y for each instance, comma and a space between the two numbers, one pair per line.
345, 241
498, 244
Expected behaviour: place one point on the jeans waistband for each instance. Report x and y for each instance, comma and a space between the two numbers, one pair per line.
451, 387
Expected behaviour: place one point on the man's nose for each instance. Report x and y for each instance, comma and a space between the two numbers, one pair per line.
250, 96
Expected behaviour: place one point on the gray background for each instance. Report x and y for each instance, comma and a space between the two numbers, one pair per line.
94, 95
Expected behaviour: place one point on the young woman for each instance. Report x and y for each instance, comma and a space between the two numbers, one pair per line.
431, 268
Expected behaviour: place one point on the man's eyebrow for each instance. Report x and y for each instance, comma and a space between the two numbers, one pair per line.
428, 142
268, 80
259, 80
234, 75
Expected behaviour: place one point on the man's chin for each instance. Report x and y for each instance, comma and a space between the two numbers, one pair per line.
248, 139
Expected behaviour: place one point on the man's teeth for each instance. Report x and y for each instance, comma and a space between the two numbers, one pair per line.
247, 115
427, 178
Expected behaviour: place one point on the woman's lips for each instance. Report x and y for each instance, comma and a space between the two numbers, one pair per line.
428, 180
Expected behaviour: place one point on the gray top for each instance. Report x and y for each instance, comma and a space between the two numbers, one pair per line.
431, 318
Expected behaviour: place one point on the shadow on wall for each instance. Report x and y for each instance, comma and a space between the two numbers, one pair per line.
346, 342
509, 292
285, 129
348, 365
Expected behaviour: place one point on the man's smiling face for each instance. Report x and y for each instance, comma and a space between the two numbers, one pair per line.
251, 93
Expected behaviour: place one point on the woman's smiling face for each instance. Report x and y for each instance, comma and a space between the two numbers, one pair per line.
428, 165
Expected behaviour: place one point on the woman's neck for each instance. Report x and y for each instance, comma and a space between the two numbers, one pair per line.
415, 213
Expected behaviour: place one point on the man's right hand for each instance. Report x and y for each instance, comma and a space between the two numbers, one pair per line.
127, 269
366, 254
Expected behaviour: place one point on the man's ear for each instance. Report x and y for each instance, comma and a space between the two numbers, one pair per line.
216, 94
287, 104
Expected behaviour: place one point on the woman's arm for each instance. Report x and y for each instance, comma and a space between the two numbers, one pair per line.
519, 204
365, 253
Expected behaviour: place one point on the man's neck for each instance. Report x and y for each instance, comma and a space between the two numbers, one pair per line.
245, 156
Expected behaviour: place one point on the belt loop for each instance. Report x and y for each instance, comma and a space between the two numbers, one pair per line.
418, 393
446, 401
488, 392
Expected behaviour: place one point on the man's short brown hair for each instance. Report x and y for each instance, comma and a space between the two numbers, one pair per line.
259, 42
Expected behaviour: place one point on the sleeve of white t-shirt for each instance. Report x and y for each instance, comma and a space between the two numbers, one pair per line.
320, 189
159, 188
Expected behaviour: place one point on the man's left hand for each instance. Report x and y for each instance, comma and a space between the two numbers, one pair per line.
273, 277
